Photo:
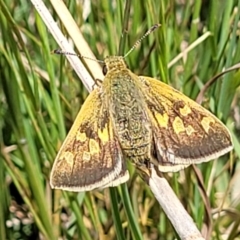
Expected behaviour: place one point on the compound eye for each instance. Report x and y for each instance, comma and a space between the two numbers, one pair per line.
104, 69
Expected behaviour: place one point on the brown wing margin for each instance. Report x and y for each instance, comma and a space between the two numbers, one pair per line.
90, 156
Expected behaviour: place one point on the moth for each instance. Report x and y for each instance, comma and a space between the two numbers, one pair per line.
137, 118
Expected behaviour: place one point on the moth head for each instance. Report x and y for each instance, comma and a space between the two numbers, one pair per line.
113, 63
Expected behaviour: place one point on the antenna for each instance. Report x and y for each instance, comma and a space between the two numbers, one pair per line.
153, 28
60, 52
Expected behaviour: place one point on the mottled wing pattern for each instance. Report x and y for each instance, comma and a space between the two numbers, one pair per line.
91, 156
184, 132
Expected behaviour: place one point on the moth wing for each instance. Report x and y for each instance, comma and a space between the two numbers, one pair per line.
90, 156
184, 132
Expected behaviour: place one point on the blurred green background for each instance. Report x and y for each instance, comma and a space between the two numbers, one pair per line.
40, 96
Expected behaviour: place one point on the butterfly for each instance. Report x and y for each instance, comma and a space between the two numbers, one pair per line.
137, 118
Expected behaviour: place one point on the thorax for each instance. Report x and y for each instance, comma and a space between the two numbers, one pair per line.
124, 96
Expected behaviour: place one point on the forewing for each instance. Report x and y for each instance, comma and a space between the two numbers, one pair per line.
91, 156
184, 132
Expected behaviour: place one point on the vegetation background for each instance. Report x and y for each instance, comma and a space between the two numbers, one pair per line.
40, 97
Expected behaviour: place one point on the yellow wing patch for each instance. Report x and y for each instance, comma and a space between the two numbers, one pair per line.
178, 125
162, 119
81, 137
206, 123
185, 110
